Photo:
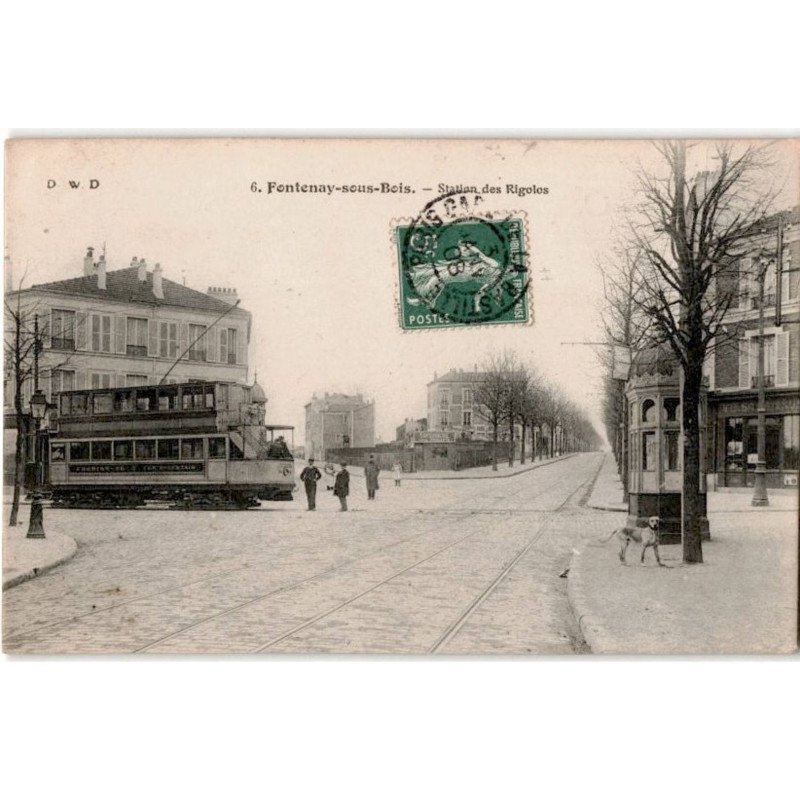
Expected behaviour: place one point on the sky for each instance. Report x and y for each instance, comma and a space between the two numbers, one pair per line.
319, 272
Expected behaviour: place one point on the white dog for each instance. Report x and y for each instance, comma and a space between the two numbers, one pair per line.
648, 537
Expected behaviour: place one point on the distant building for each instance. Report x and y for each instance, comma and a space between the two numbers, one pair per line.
337, 421
452, 407
409, 431
732, 367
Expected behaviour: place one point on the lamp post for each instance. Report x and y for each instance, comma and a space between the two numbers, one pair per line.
760, 484
36, 523
38, 410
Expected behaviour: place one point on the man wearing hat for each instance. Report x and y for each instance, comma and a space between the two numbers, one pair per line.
341, 487
371, 471
310, 475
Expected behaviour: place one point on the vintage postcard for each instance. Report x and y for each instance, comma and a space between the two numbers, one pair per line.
401, 396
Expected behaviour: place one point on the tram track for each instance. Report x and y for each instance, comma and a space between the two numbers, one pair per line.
311, 578
451, 508
452, 629
407, 517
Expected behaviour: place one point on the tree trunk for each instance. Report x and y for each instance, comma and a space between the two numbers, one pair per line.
511, 441
19, 469
522, 445
494, 447
690, 510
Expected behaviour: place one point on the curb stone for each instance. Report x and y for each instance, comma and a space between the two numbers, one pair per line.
594, 632
491, 477
35, 572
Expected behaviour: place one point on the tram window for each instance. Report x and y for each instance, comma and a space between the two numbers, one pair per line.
145, 448
167, 399
78, 404
123, 451
79, 451
216, 447
168, 448
209, 397
192, 448
102, 403
192, 397
237, 454
123, 401
58, 452
101, 451
222, 396
64, 404
145, 399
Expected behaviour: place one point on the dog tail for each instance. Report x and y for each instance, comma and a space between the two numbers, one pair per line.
603, 541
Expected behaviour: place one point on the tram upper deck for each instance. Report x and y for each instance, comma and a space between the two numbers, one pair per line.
195, 407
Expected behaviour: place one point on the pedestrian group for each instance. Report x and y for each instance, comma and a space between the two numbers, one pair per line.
341, 485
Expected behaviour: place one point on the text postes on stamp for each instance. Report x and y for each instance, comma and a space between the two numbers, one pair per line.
460, 265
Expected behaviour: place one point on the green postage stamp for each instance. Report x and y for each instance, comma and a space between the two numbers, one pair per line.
462, 266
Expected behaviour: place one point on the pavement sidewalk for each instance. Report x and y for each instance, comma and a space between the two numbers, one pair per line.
607, 492
741, 600
472, 473
24, 558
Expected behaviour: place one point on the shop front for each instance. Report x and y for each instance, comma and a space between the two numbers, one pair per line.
736, 441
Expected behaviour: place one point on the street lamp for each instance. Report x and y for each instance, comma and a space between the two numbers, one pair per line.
760, 483
36, 522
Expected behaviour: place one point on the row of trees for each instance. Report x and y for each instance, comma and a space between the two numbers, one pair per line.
669, 282
513, 395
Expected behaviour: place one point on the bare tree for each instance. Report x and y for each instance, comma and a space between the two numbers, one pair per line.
517, 379
22, 346
686, 231
626, 326
491, 394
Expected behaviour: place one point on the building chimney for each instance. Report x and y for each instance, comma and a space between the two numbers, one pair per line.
224, 293
158, 283
142, 272
101, 272
88, 262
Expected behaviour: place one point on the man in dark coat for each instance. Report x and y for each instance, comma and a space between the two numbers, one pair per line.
341, 487
310, 475
371, 473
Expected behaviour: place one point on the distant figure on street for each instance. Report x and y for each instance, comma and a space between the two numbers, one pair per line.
310, 475
330, 471
371, 474
342, 486
397, 469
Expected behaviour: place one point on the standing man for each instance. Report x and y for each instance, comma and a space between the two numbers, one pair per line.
371, 473
310, 475
341, 487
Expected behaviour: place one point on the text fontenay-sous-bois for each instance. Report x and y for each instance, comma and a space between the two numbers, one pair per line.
385, 187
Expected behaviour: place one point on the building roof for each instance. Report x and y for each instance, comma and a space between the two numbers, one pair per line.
339, 402
455, 375
124, 285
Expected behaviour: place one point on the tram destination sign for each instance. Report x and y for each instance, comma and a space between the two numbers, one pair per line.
105, 469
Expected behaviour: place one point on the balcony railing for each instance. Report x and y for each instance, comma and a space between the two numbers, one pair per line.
62, 344
139, 350
769, 381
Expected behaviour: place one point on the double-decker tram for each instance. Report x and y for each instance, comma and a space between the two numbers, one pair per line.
190, 445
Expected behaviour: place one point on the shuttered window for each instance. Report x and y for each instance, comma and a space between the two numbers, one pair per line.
137, 336
62, 329
168, 340
101, 333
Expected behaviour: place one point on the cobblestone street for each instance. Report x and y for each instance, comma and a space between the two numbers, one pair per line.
467, 566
